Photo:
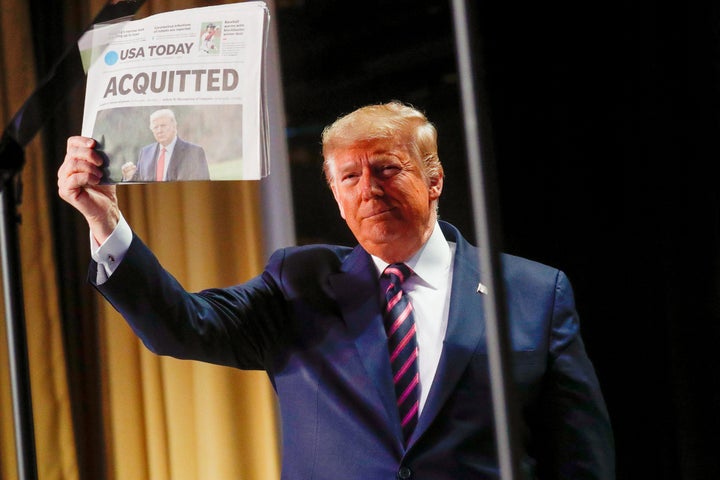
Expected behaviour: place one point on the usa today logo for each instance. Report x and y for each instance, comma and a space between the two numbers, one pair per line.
111, 57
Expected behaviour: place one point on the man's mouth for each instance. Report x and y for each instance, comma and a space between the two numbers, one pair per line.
379, 212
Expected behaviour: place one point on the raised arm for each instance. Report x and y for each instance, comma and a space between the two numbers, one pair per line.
79, 184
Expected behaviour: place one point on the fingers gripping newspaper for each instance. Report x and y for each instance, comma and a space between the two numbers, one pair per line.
179, 95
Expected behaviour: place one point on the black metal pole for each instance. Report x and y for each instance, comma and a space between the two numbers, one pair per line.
487, 231
16, 334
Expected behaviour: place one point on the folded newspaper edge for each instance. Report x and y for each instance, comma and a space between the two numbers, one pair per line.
180, 95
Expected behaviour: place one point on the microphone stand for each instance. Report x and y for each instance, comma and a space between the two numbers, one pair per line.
12, 154
20, 131
487, 228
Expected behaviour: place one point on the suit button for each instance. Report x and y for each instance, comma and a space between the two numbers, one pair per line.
404, 473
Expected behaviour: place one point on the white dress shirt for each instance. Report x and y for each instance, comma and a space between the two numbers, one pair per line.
110, 253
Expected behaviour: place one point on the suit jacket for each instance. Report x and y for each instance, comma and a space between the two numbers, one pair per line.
188, 162
313, 321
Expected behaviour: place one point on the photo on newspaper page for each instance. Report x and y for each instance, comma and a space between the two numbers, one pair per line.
180, 96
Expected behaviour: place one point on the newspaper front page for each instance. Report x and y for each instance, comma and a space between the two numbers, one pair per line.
180, 95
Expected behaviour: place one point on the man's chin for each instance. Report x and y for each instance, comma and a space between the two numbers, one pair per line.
383, 233
383, 224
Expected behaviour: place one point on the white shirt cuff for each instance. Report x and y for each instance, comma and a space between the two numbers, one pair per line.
109, 255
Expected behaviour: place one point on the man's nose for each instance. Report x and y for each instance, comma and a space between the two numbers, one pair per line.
370, 186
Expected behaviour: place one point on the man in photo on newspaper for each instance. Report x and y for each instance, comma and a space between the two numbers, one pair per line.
377, 353
169, 158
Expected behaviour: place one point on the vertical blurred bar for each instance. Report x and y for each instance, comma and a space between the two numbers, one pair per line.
487, 230
17, 336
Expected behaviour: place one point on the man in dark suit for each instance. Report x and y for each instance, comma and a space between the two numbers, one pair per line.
355, 403
170, 157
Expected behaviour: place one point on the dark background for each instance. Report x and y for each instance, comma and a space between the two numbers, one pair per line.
604, 121
604, 127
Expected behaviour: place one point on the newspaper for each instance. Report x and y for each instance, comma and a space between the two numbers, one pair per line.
191, 81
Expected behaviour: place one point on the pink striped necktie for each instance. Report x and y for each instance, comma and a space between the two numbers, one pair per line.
402, 346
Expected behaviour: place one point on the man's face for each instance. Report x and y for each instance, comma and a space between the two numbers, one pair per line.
384, 197
164, 130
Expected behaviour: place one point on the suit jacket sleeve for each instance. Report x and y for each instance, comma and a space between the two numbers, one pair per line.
189, 162
239, 326
145, 164
200, 164
575, 439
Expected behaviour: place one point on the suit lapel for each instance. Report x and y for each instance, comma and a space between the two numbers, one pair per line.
356, 289
466, 327
175, 166
148, 164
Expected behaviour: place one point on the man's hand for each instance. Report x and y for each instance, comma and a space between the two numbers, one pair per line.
79, 184
128, 171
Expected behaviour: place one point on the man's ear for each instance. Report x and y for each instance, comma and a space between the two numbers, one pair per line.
340, 207
436, 186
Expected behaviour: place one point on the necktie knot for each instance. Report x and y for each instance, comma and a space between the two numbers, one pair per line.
397, 273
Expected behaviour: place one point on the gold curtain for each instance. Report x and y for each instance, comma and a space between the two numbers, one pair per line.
180, 420
168, 419
51, 405
164, 418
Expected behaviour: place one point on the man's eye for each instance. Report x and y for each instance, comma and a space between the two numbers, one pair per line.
389, 170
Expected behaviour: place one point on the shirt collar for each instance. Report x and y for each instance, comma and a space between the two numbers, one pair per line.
171, 146
431, 263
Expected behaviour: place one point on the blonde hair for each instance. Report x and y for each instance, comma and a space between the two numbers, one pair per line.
387, 120
163, 113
